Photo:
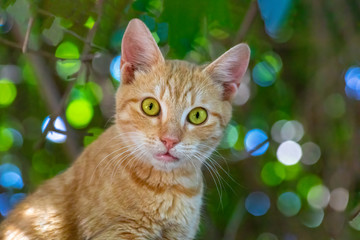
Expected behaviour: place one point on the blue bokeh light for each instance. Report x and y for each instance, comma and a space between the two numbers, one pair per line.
55, 136
253, 139
18, 139
274, 14
16, 198
352, 83
263, 74
257, 203
10, 176
5, 205
9, 201
115, 68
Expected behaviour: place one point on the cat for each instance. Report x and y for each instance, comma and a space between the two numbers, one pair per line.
141, 179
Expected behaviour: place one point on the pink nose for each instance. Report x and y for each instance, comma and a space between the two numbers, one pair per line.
169, 142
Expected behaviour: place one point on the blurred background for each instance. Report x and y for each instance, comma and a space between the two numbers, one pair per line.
288, 167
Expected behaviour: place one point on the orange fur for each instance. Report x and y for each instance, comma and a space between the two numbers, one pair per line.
117, 189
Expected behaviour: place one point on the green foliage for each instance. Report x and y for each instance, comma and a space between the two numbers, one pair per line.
295, 75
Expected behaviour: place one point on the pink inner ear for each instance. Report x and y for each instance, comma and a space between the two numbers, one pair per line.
139, 50
230, 90
229, 69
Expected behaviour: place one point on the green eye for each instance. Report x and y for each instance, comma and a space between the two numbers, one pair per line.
150, 106
197, 116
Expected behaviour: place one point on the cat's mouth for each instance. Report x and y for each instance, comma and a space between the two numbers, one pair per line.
166, 157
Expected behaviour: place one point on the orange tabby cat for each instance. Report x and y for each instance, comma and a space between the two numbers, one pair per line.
142, 178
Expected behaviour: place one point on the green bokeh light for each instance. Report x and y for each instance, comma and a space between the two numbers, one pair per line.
239, 145
230, 137
306, 183
91, 91
66, 68
274, 60
293, 171
289, 204
6, 139
79, 113
273, 173
67, 50
312, 218
7, 92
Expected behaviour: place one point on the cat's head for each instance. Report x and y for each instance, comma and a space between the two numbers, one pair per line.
173, 113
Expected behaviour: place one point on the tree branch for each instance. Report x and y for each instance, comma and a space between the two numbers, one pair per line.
246, 23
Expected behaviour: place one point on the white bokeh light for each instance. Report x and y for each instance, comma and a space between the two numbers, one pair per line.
243, 93
318, 196
339, 199
289, 153
292, 130
55, 136
276, 131
311, 152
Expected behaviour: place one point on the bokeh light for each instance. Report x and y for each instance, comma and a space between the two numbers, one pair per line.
289, 153
266, 71
7, 92
17, 138
115, 68
306, 183
276, 131
312, 218
254, 139
339, 198
289, 204
318, 197
5, 206
292, 130
79, 113
292, 171
257, 203
6, 22
6, 139
274, 14
67, 50
243, 93
263, 74
8, 201
10, 176
273, 173
16, 198
53, 136
12, 72
66, 68
311, 153
352, 82
230, 136
101, 63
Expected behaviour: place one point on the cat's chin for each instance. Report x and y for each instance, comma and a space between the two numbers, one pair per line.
165, 162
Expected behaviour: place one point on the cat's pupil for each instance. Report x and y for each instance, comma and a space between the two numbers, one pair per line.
151, 106
197, 115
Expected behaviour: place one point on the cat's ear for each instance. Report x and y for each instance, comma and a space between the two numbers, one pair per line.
229, 68
139, 51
